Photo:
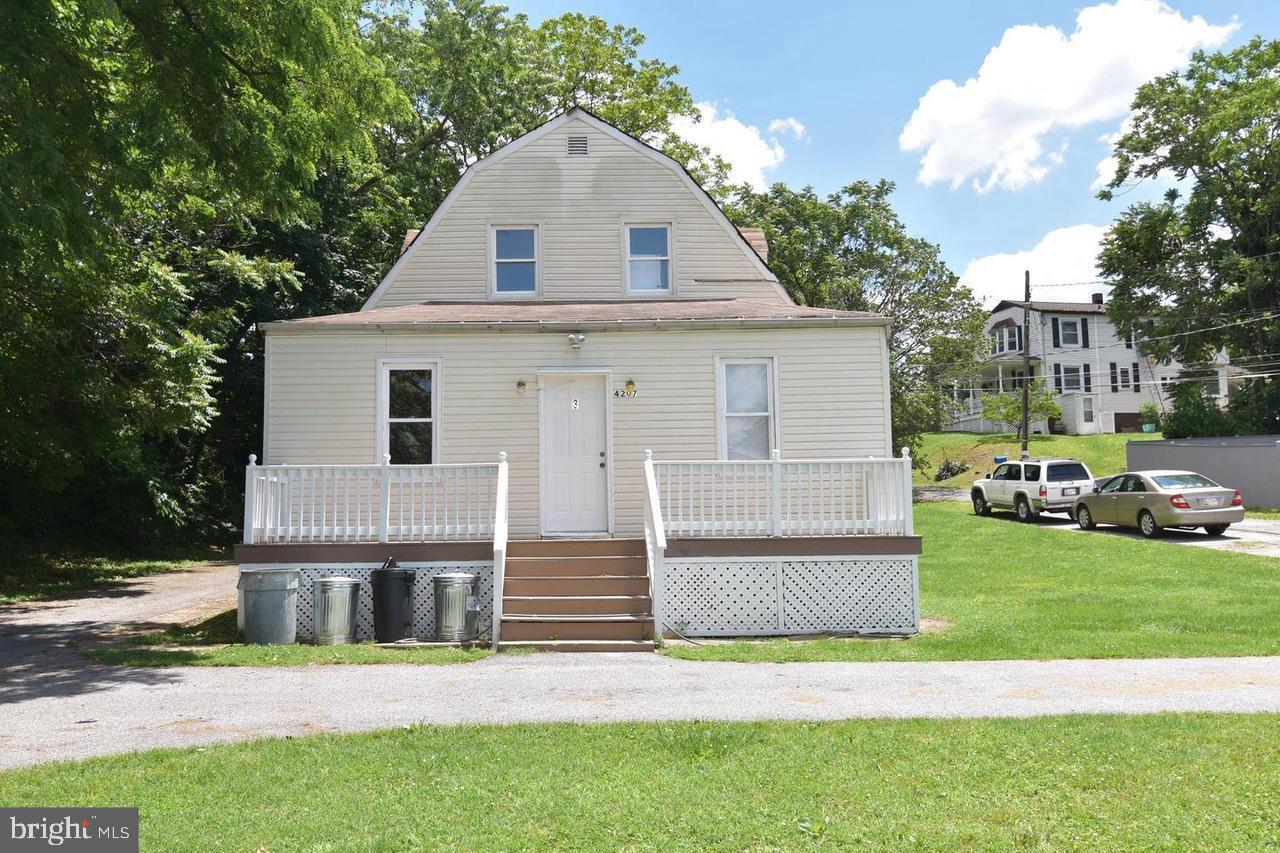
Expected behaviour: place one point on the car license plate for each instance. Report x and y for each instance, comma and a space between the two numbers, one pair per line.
1211, 502
1072, 491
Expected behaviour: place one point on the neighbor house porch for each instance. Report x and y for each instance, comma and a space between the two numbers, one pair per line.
729, 547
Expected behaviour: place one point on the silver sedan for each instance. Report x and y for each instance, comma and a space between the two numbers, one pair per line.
1154, 500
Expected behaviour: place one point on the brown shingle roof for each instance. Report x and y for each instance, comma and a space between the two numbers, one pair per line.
755, 237
565, 314
1055, 307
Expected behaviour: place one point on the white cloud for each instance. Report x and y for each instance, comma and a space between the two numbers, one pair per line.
1063, 255
749, 152
789, 125
998, 129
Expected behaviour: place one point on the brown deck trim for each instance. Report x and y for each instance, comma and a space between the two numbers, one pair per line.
800, 546
362, 552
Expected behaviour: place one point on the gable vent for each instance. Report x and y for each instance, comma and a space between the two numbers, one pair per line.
577, 146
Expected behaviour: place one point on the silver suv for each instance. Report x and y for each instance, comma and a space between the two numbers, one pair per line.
1032, 486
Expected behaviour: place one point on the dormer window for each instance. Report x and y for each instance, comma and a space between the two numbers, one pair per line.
513, 270
648, 259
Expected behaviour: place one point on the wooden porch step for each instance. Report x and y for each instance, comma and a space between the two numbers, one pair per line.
576, 605
622, 627
562, 566
579, 645
575, 548
586, 585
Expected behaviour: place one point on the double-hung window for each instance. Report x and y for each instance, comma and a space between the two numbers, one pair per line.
514, 250
1070, 333
648, 250
748, 408
1071, 379
408, 399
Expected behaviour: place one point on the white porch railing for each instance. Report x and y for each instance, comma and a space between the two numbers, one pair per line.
655, 541
370, 503
818, 497
499, 548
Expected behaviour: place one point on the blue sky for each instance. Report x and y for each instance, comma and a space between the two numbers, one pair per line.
1023, 142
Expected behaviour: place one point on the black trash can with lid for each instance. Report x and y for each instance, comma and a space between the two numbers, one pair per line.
392, 602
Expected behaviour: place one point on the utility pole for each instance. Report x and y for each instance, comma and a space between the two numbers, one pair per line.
1026, 364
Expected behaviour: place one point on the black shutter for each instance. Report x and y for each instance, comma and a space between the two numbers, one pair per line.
1057, 370
1057, 336
1019, 339
1115, 378
1088, 381
1128, 340
1137, 386
1084, 333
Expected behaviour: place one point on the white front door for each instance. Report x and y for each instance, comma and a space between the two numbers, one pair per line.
575, 453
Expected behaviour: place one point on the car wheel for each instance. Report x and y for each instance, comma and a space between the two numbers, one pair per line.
980, 505
1216, 529
1084, 518
1147, 524
1025, 512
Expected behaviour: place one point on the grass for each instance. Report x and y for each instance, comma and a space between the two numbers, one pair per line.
217, 642
1012, 590
29, 575
1104, 454
1263, 514
1088, 783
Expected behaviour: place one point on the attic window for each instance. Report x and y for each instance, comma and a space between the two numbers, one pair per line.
577, 146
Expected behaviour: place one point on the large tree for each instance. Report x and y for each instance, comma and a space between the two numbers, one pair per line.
850, 250
110, 113
1199, 271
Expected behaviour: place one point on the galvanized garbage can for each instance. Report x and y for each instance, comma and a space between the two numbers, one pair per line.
456, 607
334, 602
270, 605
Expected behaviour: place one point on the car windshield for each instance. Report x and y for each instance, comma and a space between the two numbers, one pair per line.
1067, 471
1184, 481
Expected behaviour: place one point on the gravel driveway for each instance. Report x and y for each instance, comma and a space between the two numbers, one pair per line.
55, 705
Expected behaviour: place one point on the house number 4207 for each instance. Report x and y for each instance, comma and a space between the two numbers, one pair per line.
622, 392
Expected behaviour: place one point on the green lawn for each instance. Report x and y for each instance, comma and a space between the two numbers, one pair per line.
216, 642
1088, 783
1104, 454
1012, 590
30, 574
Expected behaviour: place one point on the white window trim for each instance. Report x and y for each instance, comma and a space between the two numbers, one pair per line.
1079, 374
775, 414
492, 259
670, 225
1062, 331
384, 365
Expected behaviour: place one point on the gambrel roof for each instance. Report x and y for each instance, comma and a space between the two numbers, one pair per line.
751, 258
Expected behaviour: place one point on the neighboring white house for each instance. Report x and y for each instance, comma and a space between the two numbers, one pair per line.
1101, 380
576, 304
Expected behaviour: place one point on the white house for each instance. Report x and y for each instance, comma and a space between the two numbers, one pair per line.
679, 441
1101, 379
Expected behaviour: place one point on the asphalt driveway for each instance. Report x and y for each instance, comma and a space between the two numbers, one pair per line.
57, 705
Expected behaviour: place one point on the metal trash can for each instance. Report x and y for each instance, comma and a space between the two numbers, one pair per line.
393, 602
456, 607
334, 603
270, 605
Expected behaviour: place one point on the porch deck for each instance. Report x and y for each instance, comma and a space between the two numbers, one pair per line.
728, 547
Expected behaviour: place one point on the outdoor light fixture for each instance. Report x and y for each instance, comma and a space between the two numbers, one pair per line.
630, 385
577, 339
521, 385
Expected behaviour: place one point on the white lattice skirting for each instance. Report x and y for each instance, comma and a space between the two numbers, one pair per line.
719, 597
424, 610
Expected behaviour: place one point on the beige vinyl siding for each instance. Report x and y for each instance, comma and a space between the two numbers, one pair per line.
579, 205
833, 398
